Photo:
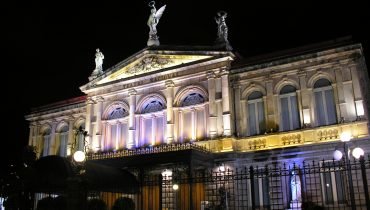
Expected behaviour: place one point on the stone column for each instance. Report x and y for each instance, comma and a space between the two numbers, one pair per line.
176, 125
131, 123
269, 103
71, 135
103, 144
238, 116
225, 101
32, 130
193, 124
212, 104
359, 102
338, 87
305, 98
89, 104
154, 129
169, 115
99, 113
52, 138
118, 135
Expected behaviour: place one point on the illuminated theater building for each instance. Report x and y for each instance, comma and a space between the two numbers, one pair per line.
186, 109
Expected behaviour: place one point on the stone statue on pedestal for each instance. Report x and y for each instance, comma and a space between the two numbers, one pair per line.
222, 30
98, 64
296, 188
152, 23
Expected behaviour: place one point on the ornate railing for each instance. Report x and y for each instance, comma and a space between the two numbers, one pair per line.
147, 150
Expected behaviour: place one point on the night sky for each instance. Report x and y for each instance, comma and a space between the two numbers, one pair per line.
50, 45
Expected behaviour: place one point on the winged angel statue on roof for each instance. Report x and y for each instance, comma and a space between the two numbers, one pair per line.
153, 20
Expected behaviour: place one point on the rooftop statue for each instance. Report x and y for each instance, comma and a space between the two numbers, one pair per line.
98, 64
152, 23
222, 30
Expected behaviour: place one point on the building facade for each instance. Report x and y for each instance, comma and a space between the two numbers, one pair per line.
268, 111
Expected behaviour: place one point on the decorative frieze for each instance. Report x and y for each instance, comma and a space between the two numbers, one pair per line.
328, 134
291, 139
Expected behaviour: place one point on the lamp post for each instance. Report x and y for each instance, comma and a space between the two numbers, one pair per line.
77, 185
345, 138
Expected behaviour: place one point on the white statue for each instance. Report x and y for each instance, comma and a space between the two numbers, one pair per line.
222, 30
152, 23
99, 60
295, 184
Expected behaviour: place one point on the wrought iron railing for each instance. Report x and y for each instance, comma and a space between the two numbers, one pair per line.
147, 150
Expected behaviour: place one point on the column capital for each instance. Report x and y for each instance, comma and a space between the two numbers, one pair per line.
89, 100
132, 91
301, 73
169, 83
99, 99
211, 75
224, 71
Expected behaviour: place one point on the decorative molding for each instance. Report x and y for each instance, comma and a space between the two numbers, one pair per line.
148, 64
257, 144
328, 134
291, 139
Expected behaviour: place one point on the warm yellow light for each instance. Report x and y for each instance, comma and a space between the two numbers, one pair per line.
360, 109
345, 136
306, 116
79, 156
175, 186
358, 152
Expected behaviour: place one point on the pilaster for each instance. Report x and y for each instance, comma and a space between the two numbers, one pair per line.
170, 121
224, 72
212, 104
132, 127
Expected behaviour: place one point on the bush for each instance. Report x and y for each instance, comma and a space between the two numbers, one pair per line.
124, 204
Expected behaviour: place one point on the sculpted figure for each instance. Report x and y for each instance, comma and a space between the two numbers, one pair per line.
295, 184
222, 30
153, 21
99, 60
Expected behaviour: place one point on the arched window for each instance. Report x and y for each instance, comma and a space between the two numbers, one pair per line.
153, 125
118, 112
117, 129
193, 118
289, 114
192, 99
153, 106
324, 103
256, 114
63, 136
46, 142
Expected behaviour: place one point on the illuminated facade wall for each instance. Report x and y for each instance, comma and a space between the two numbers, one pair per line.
202, 97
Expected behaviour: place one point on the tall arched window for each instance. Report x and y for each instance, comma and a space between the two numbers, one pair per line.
63, 136
289, 114
152, 121
256, 114
193, 118
46, 142
324, 103
116, 133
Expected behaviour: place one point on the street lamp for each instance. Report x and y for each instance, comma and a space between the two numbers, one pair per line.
346, 137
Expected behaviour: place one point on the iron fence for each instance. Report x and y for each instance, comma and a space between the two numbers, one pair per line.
322, 184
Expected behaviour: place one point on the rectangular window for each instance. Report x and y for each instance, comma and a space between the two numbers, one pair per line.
333, 182
289, 117
256, 117
261, 192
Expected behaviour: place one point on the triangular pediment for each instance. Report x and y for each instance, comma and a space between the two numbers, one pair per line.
155, 61
150, 63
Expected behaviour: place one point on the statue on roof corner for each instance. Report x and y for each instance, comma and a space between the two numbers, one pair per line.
222, 30
98, 64
153, 20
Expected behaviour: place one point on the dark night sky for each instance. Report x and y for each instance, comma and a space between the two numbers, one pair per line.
50, 45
